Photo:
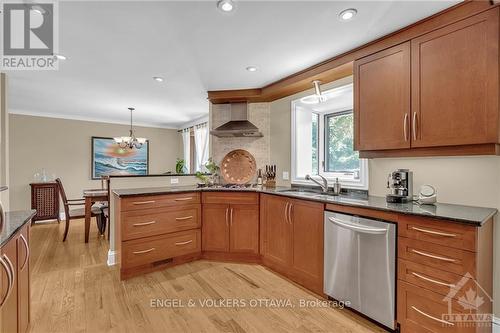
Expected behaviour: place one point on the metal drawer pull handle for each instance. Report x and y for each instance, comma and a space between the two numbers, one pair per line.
405, 128
144, 251
9, 280
144, 202
414, 126
431, 317
433, 281
184, 243
184, 218
355, 227
433, 256
184, 199
444, 234
290, 206
27, 251
143, 223
286, 212
11, 275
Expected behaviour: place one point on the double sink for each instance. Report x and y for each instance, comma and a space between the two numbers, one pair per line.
315, 194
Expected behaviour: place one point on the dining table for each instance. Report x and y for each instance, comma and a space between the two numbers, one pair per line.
92, 196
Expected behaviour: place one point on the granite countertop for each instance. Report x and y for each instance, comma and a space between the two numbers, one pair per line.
13, 222
458, 213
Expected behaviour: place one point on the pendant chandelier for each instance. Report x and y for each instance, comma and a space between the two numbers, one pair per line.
130, 141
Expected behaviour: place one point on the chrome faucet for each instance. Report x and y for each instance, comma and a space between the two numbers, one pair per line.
324, 186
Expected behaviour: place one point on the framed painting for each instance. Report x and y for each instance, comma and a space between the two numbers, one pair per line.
108, 159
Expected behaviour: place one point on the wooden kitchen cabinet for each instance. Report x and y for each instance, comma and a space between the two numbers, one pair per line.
244, 229
306, 218
215, 227
455, 83
276, 231
292, 239
382, 100
23, 279
9, 290
434, 95
231, 227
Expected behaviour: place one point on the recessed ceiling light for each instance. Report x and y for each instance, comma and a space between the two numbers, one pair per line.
251, 68
225, 5
347, 14
60, 57
158, 78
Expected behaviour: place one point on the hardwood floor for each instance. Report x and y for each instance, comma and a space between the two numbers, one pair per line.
73, 290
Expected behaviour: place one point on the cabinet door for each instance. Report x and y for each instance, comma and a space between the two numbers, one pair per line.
244, 228
455, 83
9, 307
382, 100
23, 279
307, 263
276, 233
215, 228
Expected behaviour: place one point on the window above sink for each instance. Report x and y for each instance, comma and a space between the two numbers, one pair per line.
322, 138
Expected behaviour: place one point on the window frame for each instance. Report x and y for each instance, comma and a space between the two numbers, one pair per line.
363, 181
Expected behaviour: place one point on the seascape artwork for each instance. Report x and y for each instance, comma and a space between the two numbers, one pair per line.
108, 158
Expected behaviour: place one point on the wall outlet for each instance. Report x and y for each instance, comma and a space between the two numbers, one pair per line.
286, 176
174, 180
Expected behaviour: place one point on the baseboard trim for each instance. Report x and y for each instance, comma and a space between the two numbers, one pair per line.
62, 216
111, 258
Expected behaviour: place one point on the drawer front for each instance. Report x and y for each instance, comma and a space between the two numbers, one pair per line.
448, 259
157, 201
420, 310
443, 233
231, 198
435, 280
148, 250
137, 224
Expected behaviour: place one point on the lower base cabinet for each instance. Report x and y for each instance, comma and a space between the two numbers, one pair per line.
292, 239
15, 283
230, 226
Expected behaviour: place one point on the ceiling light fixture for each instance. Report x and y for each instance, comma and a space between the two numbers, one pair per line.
317, 91
130, 141
251, 68
347, 14
225, 5
158, 78
60, 57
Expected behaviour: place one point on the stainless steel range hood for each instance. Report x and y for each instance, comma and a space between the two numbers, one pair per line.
238, 126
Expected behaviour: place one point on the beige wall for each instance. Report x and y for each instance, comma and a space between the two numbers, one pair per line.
461, 180
63, 147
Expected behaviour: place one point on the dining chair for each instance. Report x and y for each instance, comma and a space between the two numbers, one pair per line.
78, 213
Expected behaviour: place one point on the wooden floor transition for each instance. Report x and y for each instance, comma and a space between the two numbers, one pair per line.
73, 290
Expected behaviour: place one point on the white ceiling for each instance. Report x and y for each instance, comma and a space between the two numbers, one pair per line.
115, 48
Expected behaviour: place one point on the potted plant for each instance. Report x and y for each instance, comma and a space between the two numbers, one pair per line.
180, 166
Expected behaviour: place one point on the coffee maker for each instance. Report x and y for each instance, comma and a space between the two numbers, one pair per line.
400, 185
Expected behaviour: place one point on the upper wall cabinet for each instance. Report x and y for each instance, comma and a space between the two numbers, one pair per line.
454, 98
455, 83
382, 99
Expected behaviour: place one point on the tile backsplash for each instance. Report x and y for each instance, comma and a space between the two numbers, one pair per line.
259, 115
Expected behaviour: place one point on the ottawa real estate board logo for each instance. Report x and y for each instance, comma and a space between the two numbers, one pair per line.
29, 35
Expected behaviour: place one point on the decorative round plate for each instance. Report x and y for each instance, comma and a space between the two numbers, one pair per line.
238, 167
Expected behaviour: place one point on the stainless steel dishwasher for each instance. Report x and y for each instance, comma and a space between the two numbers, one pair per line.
360, 264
